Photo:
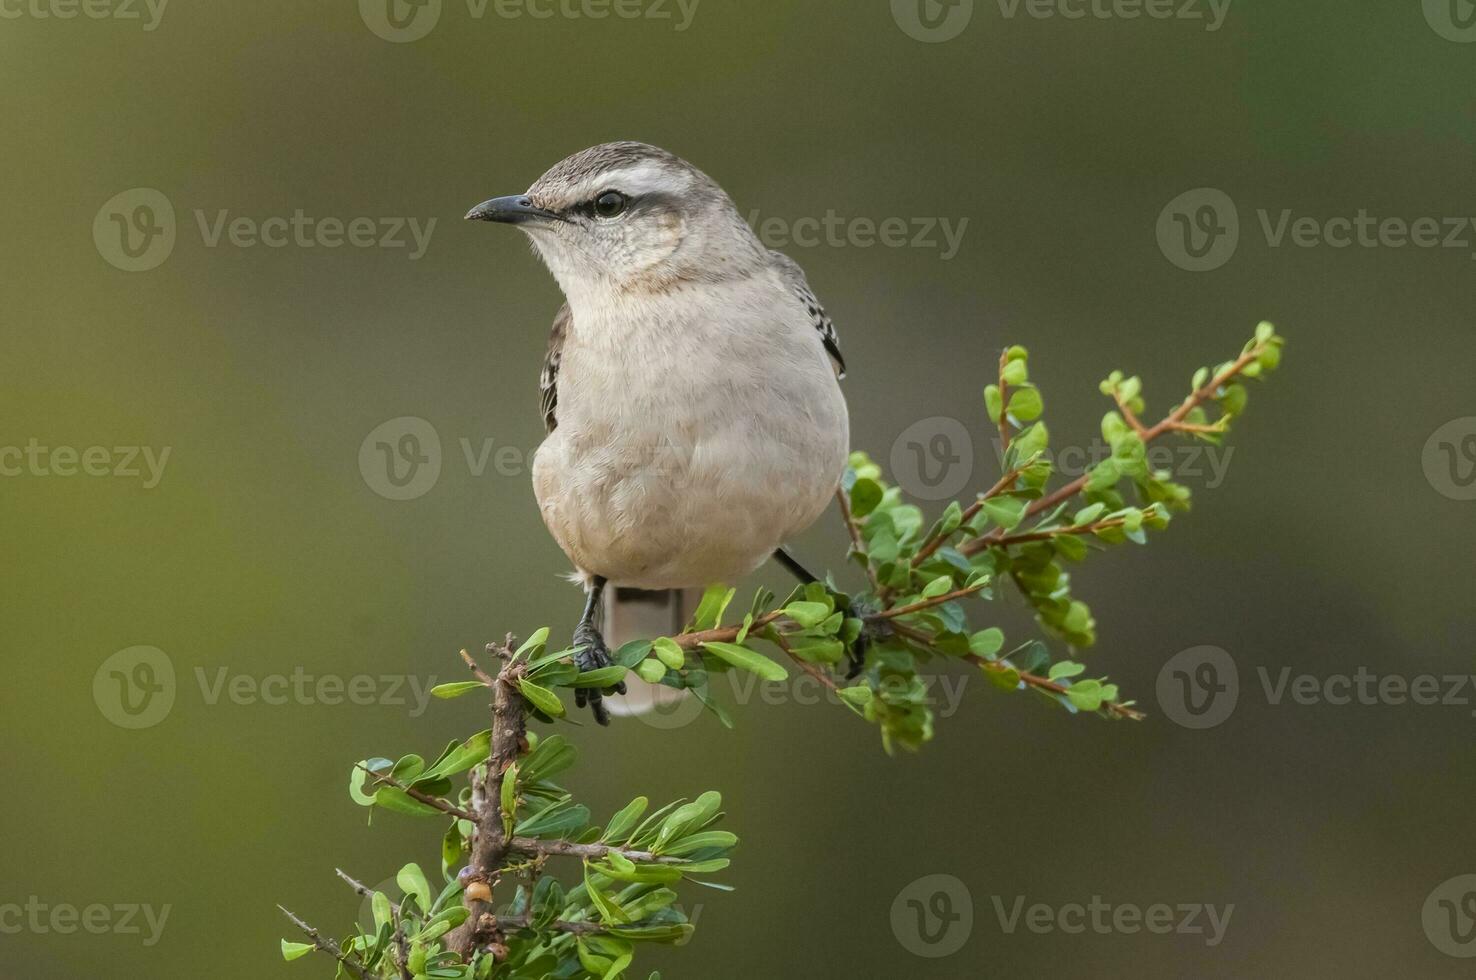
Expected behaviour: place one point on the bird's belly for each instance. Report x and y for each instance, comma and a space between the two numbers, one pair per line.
654, 504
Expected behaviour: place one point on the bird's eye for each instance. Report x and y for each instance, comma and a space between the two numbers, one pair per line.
611, 204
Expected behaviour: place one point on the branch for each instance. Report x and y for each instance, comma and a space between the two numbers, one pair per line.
854, 530
445, 806
564, 848
1050, 686
1006, 482
402, 955
1079, 529
325, 945
576, 928
1172, 422
490, 846
926, 603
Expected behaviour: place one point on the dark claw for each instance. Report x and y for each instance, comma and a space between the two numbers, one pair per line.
591, 653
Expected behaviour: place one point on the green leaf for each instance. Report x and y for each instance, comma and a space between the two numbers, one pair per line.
538, 639
807, 614
448, 691
1234, 399
295, 951
987, 643
553, 755
602, 677
942, 585
714, 603
1007, 512
1026, 404
359, 780
541, 698
632, 653
396, 800
413, 883
866, 494
748, 660
623, 822
670, 653
509, 798
993, 403
1065, 669
555, 821
651, 671
720, 839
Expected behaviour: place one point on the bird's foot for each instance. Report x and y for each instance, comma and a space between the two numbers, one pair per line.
875, 631
591, 653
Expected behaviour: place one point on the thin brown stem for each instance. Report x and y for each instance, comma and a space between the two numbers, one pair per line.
445, 806
854, 530
1051, 687
564, 848
325, 945
925, 604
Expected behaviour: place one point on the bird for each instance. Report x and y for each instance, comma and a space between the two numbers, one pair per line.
690, 391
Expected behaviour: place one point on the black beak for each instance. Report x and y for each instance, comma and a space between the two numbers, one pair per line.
514, 210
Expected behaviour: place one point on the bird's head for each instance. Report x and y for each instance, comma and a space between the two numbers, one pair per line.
629, 217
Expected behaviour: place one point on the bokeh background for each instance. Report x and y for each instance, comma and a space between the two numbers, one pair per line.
1332, 542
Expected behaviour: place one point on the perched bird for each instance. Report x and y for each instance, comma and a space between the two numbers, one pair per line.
690, 391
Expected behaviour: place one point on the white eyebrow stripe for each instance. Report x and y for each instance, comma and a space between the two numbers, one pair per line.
642, 178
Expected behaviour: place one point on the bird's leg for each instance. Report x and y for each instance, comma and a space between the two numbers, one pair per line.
591, 653
856, 655
783, 557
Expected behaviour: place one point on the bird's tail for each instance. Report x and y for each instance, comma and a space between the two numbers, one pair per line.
637, 614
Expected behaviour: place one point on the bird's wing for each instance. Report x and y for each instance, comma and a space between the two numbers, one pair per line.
548, 381
794, 276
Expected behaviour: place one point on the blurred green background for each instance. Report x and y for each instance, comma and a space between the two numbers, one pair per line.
263, 549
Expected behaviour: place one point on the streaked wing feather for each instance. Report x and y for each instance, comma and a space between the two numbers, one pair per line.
548, 381
795, 277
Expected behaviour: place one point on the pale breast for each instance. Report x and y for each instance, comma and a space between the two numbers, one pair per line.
696, 433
